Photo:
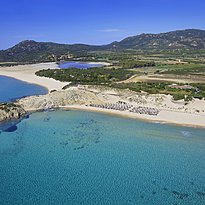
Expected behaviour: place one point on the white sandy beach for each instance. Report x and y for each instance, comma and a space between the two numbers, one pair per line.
191, 114
27, 73
170, 117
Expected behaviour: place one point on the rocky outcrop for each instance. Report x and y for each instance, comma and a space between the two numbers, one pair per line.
85, 95
57, 99
11, 111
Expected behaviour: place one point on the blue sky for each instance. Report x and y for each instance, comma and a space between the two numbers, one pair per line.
94, 21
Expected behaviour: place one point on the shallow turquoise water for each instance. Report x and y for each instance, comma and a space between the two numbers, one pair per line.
12, 89
73, 157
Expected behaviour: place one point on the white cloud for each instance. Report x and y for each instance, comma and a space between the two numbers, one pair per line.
109, 30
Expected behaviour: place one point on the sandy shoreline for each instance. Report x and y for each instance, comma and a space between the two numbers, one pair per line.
165, 117
26, 73
191, 114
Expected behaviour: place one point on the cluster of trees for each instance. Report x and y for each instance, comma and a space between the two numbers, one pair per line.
87, 76
130, 64
97, 76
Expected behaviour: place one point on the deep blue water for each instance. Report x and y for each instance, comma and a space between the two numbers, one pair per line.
73, 157
11, 89
79, 65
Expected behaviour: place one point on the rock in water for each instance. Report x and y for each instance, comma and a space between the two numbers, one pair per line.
11, 111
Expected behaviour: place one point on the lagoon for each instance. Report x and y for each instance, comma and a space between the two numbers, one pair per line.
76, 157
12, 89
80, 65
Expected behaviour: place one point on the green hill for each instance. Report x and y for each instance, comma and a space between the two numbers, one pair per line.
32, 51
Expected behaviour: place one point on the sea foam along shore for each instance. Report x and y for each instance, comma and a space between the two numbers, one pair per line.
26, 73
191, 114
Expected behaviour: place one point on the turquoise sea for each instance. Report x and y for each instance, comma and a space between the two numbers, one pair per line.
75, 157
12, 89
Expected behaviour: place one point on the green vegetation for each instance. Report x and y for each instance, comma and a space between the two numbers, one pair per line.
87, 76
198, 90
8, 106
130, 64
185, 44
154, 62
112, 78
10, 64
186, 69
172, 58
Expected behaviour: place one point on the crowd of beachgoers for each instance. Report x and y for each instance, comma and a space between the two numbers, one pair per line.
123, 106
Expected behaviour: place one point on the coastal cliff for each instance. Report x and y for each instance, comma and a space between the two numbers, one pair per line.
11, 111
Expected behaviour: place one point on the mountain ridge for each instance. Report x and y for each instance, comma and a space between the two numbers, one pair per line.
30, 50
